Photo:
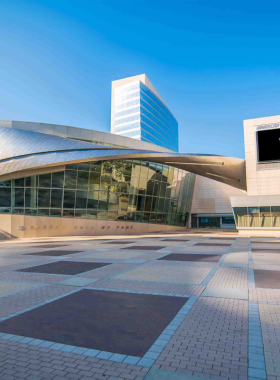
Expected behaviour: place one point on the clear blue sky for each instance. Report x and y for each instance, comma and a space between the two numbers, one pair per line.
214, 63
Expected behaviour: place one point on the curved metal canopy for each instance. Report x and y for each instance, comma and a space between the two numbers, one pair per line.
23, 151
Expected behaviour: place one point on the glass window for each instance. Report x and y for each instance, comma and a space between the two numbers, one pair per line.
103, 215
45, 180
69, 199
44, 197
103, 200
265, 216
92, 202
241, 216
68, 213
6, 184
114, 190
18, 197
95, 166
164, 173
127, 168
140, 203
5, 210
117, 170
132, 202
81, 199
30, 197
31, 211
146, 218
150, 187
80, 213
55, 213
113, 215
275, 215
160, 205
130, 217
72, 167
162, 189
254, 216
70, 179
5, 197
84, 166
57, 180
207, 222
134, 185
228, 220
30, 181
92, 214
107, 167
166, 205
156, 188
105, 181
18, 211
56, 198
19, 182
83, 180
94, 181
43, 212
148, 204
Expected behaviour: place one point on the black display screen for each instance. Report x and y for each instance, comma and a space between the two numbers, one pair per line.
269, 145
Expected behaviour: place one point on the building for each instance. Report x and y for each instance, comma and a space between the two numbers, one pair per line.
259, 208
211, 206
58, 180
137, 111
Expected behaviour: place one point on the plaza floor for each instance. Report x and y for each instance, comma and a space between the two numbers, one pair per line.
179, 306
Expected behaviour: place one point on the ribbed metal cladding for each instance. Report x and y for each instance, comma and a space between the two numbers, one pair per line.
25, 150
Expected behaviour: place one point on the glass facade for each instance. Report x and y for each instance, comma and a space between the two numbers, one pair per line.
265, 216
123, 190
140, 114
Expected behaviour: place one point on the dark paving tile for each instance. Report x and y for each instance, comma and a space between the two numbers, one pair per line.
122, 323
118, 242
222, 238
267, 250
52, 253
145, 247
267, 279
175, 240
213, 244
64, 267
190, 257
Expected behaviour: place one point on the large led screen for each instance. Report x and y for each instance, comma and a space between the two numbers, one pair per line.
269, 145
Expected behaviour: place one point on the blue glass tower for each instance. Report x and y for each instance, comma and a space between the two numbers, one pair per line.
137, 111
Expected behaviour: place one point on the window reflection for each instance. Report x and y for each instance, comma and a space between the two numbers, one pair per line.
126, 190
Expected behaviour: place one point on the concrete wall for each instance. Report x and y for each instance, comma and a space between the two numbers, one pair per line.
262, 179
24, 226
212, 197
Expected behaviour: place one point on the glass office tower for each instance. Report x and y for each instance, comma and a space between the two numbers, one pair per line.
139, 112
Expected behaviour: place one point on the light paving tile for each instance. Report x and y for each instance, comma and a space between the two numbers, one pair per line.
117, 254
9, 288
149, 287
239, 294
188, 275
76, 281
230, 278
